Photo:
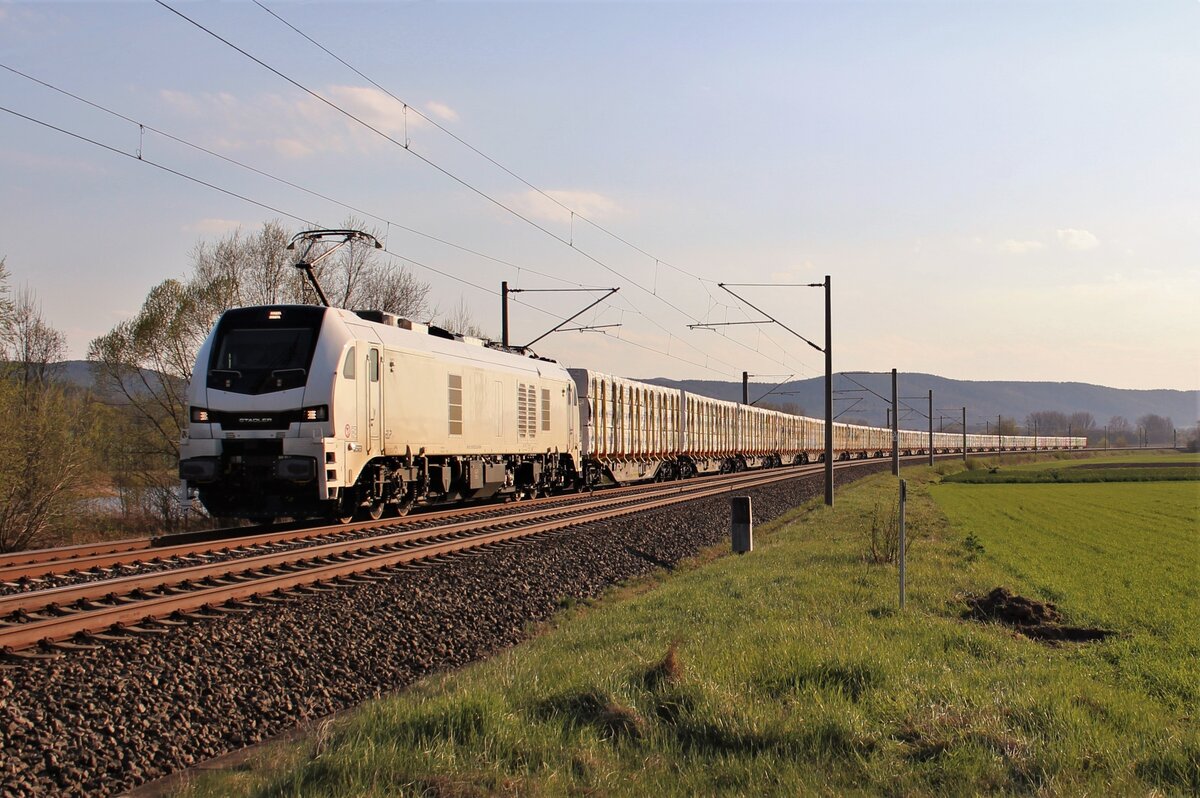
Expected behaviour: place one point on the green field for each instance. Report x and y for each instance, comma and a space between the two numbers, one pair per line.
791, 671
1075, 467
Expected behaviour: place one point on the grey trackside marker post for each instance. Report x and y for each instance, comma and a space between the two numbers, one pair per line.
964, 434
741, 524
903, 546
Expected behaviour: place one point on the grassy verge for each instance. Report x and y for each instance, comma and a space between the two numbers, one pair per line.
790, 670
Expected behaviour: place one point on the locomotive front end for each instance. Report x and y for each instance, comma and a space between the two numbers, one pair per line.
259, 416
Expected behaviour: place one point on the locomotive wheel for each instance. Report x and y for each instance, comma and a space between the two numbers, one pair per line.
372, 512
347, 509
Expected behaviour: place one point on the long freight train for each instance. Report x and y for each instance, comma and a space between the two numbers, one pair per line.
307, 411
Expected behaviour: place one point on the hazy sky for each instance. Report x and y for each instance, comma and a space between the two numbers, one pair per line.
999, 190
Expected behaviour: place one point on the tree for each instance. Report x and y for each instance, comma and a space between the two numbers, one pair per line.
460, 321
44, 429
1006, 426
1157, 429
1119, 433
34, 347
1047, 422
792, 408
1082, 423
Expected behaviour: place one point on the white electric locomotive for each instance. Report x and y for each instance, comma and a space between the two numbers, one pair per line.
312, 411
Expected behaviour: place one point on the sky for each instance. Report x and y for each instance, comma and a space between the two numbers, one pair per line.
998, 190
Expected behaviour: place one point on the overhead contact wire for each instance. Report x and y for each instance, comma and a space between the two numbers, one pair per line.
441, 169
149, 162
281, 180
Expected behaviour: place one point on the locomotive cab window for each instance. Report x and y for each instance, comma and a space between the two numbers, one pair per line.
348, 366
261, 350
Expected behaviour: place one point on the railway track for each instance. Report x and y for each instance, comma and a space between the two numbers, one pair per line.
88, 614
21, 570
27, 570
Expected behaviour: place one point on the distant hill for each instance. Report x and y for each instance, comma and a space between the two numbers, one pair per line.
984, 400
76, 372
79, 373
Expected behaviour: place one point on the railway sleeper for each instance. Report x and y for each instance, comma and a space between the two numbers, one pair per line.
35, 616
194, 616
274, 598
114, 635
30, 655
70, 645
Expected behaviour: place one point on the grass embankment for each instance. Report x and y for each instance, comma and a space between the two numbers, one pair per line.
791, 671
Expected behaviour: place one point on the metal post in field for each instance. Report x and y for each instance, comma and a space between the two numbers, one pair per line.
903, 542
964, 434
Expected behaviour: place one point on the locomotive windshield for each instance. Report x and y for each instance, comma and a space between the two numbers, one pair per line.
260, 350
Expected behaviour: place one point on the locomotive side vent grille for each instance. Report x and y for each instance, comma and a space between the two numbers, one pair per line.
526, 411
456, 404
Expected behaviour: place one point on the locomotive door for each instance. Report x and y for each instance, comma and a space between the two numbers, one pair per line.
572, 415
373, 401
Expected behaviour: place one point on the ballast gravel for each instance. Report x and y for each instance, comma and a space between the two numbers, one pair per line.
98, 723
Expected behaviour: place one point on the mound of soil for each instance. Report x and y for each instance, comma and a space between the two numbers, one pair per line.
1037, 620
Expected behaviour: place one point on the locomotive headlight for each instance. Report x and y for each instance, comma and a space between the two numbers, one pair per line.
199, 415
317, 413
